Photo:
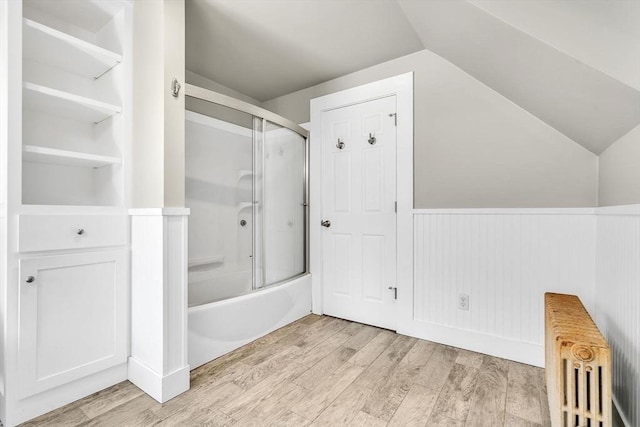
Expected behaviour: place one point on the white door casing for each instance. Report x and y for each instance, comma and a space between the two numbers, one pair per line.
402, 88
358, 207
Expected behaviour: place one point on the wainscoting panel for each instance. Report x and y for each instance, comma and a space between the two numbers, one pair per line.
504, 260
618, 301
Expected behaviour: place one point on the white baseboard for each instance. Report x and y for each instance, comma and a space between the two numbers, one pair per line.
523, 352
161, 388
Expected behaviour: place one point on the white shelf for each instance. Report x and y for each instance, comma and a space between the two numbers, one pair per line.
50, 46
53, 156
244, 205
244, 173
65, 104
206, 261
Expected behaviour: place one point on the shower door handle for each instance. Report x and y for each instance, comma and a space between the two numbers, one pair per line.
325, 223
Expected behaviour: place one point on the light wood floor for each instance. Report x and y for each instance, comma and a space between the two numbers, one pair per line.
331, 372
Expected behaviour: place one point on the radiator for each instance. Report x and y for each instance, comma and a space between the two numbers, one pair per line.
577, 365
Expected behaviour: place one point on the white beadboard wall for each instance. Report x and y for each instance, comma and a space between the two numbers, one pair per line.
505, 260
618, 301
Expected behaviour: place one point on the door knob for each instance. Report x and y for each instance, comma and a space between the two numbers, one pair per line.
30, 279
326, 223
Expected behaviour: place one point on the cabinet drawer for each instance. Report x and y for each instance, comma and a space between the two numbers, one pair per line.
55, 232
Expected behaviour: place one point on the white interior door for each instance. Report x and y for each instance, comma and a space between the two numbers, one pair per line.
359, 212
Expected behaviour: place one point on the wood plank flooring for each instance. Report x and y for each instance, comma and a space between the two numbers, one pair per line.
323, 371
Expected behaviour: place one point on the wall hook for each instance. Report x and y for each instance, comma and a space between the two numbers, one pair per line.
372, 139
175, 87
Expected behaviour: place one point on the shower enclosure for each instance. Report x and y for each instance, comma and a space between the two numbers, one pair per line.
246, 187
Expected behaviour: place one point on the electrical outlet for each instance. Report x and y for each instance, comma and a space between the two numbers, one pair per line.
463, 302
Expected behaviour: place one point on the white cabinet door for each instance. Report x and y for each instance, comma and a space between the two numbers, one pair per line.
72, 317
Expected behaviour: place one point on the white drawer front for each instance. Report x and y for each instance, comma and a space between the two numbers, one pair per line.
55, 232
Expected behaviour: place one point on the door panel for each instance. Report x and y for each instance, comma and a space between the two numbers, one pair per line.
342, 182
359, 186
373, 267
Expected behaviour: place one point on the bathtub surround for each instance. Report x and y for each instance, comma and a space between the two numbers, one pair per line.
158, 362
246, 189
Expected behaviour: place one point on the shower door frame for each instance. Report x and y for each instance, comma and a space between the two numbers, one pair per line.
266, 115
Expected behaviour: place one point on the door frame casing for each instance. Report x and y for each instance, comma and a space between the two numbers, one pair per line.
402, 87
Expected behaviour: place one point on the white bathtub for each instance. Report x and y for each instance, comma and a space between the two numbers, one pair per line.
220, 327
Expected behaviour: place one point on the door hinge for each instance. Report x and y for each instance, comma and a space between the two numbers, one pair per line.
395, 207
395, 118
395, 291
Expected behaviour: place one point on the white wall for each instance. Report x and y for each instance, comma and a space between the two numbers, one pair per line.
147, 184
619, 177
158, 117
505, 260
473, 147
617, 308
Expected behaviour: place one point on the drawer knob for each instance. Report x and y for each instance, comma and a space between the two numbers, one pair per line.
30, 279
80, 231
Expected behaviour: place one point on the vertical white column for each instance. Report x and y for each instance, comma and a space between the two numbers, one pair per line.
158, 362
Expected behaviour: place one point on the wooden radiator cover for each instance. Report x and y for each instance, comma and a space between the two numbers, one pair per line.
577, 365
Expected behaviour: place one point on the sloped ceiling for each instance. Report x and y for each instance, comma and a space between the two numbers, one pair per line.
267, 48
573, 64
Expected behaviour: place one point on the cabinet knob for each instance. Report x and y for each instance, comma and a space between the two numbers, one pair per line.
80, 231
30, 279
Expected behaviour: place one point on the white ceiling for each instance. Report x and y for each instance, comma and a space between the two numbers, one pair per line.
602, 34
267, 48
573, 64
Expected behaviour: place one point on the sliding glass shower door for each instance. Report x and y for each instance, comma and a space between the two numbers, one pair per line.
219, 193
245, 186
284, 203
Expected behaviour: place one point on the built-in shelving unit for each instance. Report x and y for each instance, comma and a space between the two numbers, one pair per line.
52, 156
66, 77
75, 75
